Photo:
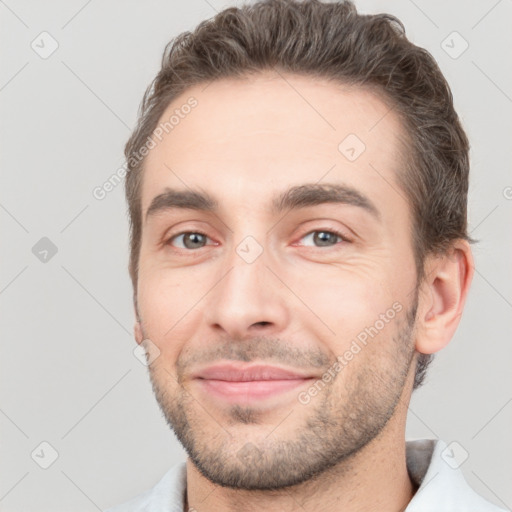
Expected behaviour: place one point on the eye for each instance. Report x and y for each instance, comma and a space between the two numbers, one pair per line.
324, 238
188, 240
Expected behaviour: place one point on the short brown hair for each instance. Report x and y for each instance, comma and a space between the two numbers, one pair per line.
330, 41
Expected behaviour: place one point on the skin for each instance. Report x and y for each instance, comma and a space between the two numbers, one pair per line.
298, 305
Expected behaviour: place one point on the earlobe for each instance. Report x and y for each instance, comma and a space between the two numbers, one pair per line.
443, 295
137, 327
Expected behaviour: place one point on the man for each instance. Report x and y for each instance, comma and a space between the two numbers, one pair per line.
297, 191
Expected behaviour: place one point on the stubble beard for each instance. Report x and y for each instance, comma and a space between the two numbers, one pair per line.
341, 421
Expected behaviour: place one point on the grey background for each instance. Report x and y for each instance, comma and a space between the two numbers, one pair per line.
68, 373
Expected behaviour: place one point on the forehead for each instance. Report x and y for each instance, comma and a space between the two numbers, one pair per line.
260, 134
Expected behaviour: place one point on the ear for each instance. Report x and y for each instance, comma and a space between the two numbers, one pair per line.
137, 327
443, 294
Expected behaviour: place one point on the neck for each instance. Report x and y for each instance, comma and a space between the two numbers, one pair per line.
373, 479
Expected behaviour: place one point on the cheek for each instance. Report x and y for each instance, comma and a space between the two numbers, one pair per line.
165, 312
348, 302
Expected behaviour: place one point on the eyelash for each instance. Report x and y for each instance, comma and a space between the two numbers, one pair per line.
336, 232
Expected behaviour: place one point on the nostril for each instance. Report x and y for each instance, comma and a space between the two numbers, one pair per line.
262, 323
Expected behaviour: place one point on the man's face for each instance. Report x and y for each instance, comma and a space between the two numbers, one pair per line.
296, 289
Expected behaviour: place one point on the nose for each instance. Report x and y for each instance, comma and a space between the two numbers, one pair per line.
247, 300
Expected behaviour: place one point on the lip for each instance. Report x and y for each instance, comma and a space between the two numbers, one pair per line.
243, 383
248, 372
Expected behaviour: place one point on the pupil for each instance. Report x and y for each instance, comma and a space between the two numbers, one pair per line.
323, 237
194, 240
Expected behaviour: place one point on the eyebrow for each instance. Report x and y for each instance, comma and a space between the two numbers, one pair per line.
296, 197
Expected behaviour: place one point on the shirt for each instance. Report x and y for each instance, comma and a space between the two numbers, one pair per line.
430, 463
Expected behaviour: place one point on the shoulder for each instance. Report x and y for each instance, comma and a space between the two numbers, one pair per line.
166, 496
436, 468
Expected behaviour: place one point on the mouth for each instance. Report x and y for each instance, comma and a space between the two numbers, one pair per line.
236, 383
